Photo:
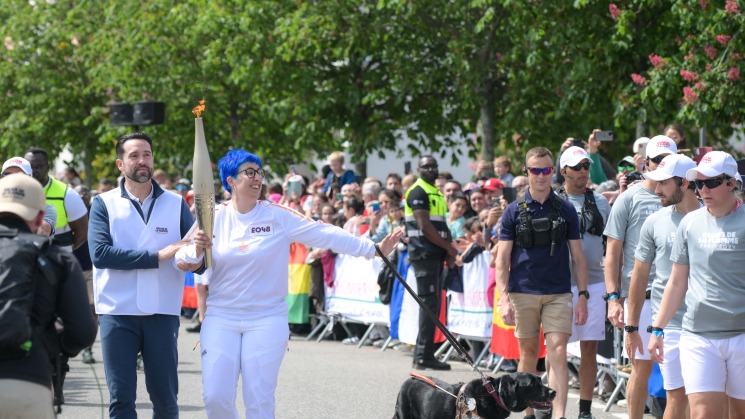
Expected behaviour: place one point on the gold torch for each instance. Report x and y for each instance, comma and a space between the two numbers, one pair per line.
204, 182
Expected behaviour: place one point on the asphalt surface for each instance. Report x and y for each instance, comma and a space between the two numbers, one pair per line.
317, 380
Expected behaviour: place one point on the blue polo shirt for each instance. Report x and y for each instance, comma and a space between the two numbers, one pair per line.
534, 271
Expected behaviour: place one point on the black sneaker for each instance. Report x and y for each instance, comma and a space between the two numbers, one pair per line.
195, 329
543, 414
431, 364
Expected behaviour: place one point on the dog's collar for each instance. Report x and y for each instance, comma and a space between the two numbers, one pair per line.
494, 393
463, 409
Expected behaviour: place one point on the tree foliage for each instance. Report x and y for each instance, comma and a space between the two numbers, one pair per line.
290, 80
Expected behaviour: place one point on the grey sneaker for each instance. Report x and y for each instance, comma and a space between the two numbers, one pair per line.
543, 414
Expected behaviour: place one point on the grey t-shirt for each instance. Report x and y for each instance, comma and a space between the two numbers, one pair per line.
716, 285
628, 214
655, 244
592, 245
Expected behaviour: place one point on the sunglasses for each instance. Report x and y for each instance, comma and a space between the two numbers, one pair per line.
622, 168
580, 166
251, 173
710, 183
656, 160
540, 170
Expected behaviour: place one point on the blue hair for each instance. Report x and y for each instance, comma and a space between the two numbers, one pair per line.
229, 164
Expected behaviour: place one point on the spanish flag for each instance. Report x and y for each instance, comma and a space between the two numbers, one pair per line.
503, 340
298, 285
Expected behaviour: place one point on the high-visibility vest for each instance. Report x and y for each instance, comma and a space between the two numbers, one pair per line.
419, 246
55, 192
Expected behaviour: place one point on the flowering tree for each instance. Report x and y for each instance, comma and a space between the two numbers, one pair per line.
699, 79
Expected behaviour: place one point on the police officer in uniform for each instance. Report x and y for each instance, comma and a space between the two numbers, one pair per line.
429, 246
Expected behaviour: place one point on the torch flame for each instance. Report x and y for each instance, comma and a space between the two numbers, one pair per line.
197, 111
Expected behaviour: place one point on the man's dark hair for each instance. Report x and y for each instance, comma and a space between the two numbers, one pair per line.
38, 151
357, 204
105, 181
395, 176
133, 136
445, 175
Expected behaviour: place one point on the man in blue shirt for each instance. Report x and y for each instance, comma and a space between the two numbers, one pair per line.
535, 239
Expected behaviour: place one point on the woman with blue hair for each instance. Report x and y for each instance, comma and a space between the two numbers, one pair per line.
245, 328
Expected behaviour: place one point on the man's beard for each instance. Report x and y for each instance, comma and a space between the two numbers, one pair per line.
140, 178
675, 198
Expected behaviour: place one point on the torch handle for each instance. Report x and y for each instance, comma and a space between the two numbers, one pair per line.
205, 204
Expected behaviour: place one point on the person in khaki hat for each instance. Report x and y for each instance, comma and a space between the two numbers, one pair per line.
26, 377
21, 165
23, 196
707, 255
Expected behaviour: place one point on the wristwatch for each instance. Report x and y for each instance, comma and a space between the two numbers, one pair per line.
630, 329
611, 296
657, 331
585, 293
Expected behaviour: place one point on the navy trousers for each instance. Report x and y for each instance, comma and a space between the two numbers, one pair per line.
122, 338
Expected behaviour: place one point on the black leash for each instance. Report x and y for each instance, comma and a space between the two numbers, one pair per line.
453, 341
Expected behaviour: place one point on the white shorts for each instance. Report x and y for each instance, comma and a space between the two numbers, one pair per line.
713, 364
594, 329
645, 319
672, 375
201, 279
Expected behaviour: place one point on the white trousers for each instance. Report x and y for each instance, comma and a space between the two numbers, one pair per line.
232, 343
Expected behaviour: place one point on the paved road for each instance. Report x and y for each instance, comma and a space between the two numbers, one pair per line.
317, 380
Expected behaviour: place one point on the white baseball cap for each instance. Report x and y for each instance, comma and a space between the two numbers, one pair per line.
661, 144
22, 195
715, 163
672, 165
573, 155
19, 162
638, 143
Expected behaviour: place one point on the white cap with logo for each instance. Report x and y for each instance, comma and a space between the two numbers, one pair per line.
672, 165
19, 162
661, 144
715, 163
572, 156
22, 195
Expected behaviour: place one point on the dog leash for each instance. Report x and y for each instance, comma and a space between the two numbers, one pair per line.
449, 336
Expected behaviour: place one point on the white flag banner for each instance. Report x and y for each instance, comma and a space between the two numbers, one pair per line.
470, 313
355, 291
408, 324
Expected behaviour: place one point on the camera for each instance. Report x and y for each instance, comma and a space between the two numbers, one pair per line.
633, 177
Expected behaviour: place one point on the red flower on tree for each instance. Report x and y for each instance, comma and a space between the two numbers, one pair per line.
615, 12
689, 76
641, 81
731, 7
656, 60
711, 52
689, 95
723, 39
733, 74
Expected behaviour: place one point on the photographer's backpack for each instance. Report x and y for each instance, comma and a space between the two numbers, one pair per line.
22, 263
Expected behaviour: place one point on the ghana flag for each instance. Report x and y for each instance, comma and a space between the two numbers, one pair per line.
298, 285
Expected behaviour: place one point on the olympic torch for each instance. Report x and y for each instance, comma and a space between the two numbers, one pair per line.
204, 182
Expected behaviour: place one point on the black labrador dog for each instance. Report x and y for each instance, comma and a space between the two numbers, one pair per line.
516, 392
